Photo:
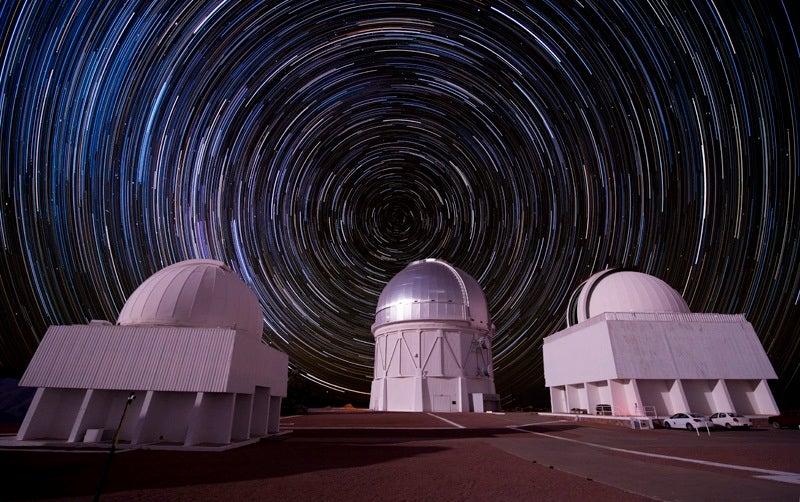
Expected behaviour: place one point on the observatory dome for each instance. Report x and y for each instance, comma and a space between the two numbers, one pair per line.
432, 290
194, 293
616, 290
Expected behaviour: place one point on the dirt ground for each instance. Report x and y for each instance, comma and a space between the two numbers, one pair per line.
306, 468
421, 456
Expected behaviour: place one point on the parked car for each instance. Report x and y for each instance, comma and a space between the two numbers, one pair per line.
730, 420
603, 409
578, 411
688, 421
785, 419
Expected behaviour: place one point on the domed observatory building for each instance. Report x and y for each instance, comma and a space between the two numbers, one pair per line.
633, 346
187, 344
433, 342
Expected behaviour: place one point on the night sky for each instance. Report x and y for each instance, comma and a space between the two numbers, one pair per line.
318, 147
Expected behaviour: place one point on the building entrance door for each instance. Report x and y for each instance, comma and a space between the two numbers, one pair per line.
442, 402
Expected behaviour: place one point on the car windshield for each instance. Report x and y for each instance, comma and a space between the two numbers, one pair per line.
696, 415
734, 415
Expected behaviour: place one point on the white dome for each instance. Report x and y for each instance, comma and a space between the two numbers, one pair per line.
432, 290
194, 293
623, 291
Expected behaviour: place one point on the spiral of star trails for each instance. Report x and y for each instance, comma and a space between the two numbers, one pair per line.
318, 147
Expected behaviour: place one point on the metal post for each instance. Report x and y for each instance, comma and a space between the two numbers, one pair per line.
104, 475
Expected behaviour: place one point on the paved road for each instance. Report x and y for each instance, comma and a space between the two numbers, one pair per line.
652, 477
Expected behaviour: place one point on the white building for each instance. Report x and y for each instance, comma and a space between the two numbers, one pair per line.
433, 342
188, 344
631, 343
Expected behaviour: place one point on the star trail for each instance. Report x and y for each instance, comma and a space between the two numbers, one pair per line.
318, 147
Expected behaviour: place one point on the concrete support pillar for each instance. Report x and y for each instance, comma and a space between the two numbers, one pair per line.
259, 416
678, 397
584, 394
195, 418
592, 399
31, 417
721, 396
463, 396
419, 394
764, 399
242, 410
558, 400
274, 423
52, 414
78, 426
633, 392
618, 405
384, 398
567, 401
139, 427
211, 418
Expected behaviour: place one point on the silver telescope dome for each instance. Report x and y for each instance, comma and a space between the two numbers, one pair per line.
432, 290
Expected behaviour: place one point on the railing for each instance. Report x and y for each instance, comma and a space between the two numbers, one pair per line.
672, 316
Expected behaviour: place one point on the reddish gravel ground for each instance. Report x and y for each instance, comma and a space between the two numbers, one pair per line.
304, 468
354, 420
392, 456
411, 420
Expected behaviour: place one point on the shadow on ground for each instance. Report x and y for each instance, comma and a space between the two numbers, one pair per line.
31, 475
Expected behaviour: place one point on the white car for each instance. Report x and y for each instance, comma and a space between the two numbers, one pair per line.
730, 420
689, 421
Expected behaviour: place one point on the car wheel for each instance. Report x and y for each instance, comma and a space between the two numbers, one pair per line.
689, 427
727, 426
667, 426
776, 425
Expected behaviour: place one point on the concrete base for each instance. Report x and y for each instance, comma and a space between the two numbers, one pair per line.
756, 420
177, 419
103, 447
604, 419
201, 447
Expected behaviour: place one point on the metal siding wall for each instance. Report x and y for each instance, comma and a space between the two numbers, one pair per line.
393, 350
724, 348
581, 356
132, 358
255, 363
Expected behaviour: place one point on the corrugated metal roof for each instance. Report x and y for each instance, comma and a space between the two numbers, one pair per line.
133, 358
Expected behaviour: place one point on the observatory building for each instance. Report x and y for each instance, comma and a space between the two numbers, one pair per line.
188, 347
433, 342
633, 345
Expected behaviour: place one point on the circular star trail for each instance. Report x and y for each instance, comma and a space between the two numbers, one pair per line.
318, 147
